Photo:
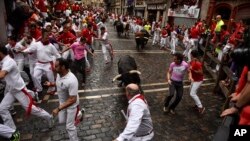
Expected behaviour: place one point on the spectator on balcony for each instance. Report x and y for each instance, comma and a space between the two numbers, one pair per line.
242, 99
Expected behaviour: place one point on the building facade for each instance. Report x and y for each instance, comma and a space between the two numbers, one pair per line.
156, 10
229, 9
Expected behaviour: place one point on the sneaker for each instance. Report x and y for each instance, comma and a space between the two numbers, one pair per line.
15, 136
172, 112
51, 122
201, 110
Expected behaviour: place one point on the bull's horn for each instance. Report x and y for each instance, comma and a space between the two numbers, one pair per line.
116, 77
135, 71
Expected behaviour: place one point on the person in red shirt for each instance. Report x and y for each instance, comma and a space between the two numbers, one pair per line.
196, 77
35, 32
73, 7
195, 34
88, 34
164, 35
224, 34
60, 7
42, 6
241, 97
66, 38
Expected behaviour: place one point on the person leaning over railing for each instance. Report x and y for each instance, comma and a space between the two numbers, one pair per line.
241, 97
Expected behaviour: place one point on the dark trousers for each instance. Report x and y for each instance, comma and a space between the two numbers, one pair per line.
174, 86
80, 66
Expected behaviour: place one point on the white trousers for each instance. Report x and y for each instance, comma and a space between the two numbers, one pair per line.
220, 56
39, 70
227, 48
6, 131
86, 59
189, 54
173, 44
20, 64
163, 42
68, 116
144, 138
195, 40
105, 50
185, 53
193, 92
32, 67
24, 100
156, 39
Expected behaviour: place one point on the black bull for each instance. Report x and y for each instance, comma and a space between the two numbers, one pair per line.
127, 70
141, 39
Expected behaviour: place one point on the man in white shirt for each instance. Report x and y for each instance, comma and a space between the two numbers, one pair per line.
106, 47
45, 61
32, 57
139, 124
67, 89
17, 91
16, 48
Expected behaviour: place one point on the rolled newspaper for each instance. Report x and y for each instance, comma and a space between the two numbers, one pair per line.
124, 115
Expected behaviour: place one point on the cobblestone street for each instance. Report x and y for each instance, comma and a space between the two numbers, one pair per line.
103, 101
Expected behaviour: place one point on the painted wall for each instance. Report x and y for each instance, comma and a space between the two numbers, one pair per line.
204, 9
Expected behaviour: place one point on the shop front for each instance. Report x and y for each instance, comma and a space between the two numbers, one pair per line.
155, 12
139, 8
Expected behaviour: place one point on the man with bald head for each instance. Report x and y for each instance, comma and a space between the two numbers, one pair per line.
217, 29
139, 123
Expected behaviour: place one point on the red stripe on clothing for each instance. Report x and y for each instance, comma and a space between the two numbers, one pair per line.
28, 111
51, 64
77, 111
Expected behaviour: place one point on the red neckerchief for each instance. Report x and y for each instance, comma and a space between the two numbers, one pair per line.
140, 96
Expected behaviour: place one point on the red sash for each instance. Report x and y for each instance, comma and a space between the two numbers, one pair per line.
51, 64
28, 111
